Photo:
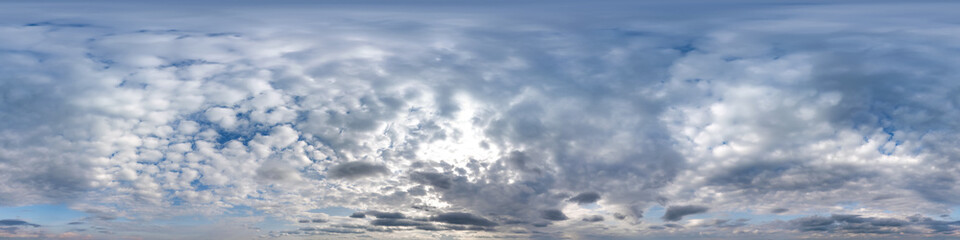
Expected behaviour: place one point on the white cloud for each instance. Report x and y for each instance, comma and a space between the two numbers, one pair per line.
499, 117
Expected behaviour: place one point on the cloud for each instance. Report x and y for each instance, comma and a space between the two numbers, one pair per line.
14, 222
675, 213
723, 223
390, 215
394, 222
433, 179
585, 198
553, 215
857, 224
463, 219
478, 122
593, 218
355, 170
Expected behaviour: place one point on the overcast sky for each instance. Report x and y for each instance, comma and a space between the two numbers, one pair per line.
479, 119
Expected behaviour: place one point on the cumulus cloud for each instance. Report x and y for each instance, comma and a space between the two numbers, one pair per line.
388, 215
498, 119
354, 170
675, 213
463, 219
857, 224
553, 215
585, 198
593, 218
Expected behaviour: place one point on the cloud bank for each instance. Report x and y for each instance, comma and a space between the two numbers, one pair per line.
730, 120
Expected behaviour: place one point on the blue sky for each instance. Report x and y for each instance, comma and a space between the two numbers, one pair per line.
467, 119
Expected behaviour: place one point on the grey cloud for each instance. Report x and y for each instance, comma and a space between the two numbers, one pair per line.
355, 170
553, 215
586, 198
101, 213
358, 215
779, 210
845, 223
815, 223
309, 230
433, 179
613, 103
463, 218
593, 218
454, 221
673, 225
394, 222
391, 215
675, 213
14, 222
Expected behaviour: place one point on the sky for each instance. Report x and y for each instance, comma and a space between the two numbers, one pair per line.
460, 119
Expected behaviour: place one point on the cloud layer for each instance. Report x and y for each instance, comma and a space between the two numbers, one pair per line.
728, 120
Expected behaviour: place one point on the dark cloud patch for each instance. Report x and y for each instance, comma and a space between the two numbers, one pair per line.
846, 223
75, 223
395, 222
553, 215
675, 213
779, 210
303, 221
14, 222
456, 222
762, 176
463, 219
318, 220
673, 225
594, 218
935, 225
619, 216
356, 170
520, 161
814, 223
57, 24
586, 198
390, 215
358, 215
540, 224
433, 179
